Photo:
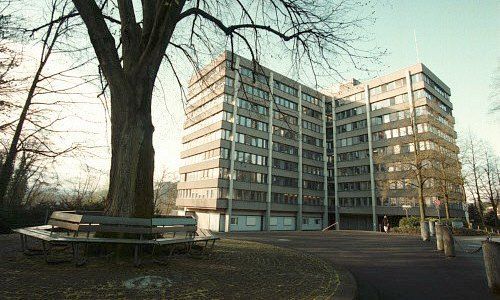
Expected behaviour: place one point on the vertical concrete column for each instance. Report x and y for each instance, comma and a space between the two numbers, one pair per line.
270, 154
300, 183
370, 150
325, 166
232, 174
335, 182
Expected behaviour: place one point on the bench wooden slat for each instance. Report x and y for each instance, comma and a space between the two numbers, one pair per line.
66, 216
168, 221
173, 229
114, 228
94, 219
65, 225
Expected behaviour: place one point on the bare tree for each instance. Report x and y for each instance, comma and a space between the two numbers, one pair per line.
447, 170
165, 193
488, 184
472, 171
56, 28
130, 49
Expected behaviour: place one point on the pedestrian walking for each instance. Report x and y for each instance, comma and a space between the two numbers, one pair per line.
386, 224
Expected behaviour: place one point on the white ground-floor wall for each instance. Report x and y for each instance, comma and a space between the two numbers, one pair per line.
254, 221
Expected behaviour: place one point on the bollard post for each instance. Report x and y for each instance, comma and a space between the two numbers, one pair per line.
439, 236
424, 231
448, 242
432, 227
491, 256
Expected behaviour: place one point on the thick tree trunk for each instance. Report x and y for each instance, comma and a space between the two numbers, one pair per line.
130, 191
421, 200
447, 205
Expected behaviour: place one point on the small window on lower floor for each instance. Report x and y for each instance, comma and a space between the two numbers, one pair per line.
318, 221
287, 221
234, 221
273, 221
304, 221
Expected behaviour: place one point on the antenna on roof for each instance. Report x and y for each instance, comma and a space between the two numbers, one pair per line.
416, 45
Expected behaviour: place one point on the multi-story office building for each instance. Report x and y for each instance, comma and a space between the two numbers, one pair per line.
387, 117
258, 148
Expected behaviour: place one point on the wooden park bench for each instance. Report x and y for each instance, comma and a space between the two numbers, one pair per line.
76, 228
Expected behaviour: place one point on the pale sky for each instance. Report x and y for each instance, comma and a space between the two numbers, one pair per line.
458, 40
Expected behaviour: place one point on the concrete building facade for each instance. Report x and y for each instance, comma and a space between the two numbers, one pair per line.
264, 152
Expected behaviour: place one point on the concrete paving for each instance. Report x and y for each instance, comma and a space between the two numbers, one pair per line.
390, 266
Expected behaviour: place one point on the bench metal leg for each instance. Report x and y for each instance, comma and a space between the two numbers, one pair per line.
23, 243
137, 261
78, 259
205, 248
45, 250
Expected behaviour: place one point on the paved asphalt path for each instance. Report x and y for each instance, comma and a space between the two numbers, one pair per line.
388, 266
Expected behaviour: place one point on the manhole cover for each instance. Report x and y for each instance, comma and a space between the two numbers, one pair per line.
283, 240
147, 282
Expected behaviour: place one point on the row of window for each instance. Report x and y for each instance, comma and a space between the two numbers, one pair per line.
354, 186
254, 91
285, 181
213, 136
392, 133
244, 71
312, 140
392, 117
242, 103
284, 148
354, 155
312, 185
206, 174
222, 115
285, 102
251, 140
247, 195
312, 155
203, 193
285, 118
311, 126
356, 170
312, 170
353, 140
351, 126
424, 94
427, 111
285, 165
359, 97
208, 105
207, 78
311, 99
251, 158
388, 86
355, 201
403, 98
252, 177
405, 148
285, 88
205, 156
311, 200
284, 198
350, 113
216, 87
312, 113
422, 77
286, 133
251, 123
